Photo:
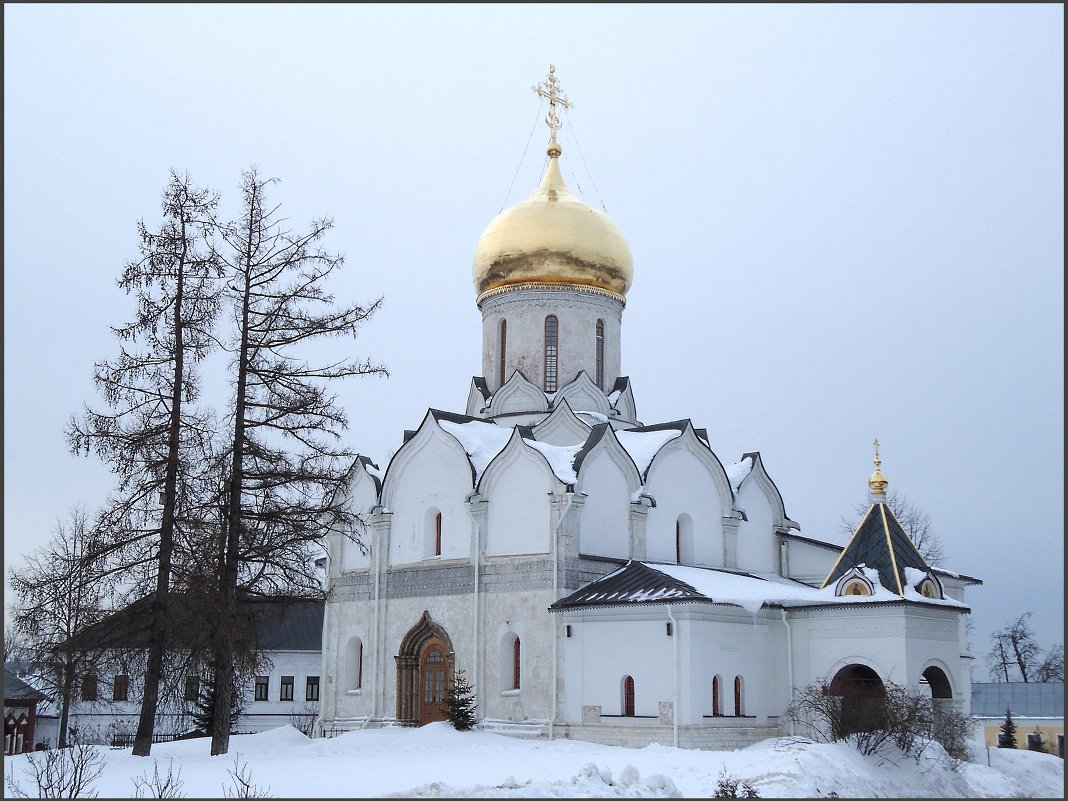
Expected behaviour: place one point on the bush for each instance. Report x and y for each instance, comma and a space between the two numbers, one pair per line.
62, 773
872, 720
728, 787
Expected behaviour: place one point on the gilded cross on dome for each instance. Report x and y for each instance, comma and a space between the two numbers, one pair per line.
550, 90
877, 460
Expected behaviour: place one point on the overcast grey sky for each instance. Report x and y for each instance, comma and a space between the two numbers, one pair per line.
846, 222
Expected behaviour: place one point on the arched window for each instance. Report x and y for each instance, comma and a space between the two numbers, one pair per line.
600, 354
515, 664
684, 540
432, 533
739, 707
552, 344
354, 664
504, 348
717, 706
628, 697
857, 588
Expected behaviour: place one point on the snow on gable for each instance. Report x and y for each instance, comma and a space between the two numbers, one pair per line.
561, 458
481, 441
737, 472
643, 445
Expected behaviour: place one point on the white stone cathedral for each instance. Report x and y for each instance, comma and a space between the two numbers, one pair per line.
594, 577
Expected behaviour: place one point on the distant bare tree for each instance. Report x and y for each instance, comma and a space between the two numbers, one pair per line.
16, 647
914, 519
285, 471
1015, 655
1051, 668
58, 595
148, 428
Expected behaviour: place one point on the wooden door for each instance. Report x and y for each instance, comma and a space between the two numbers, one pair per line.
432, 682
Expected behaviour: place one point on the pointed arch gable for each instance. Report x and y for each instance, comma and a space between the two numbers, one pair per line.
758, 475
603, 442
478, 396
609, 483
621, 398
562, 426
517, 485
426, 436
517, 395
516, 449
582, 393
689, 442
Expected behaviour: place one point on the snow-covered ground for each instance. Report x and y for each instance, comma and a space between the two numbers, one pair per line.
437, 761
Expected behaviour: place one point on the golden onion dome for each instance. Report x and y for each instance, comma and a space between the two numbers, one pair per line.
877, 482
552, 237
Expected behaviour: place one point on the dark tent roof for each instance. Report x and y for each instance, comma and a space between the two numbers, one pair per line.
880, 543
631, 583
15, 689
1026, 699
282, 623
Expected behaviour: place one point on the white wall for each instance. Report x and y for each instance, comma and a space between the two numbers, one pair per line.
756, 537
681, 483
436, 475
517, 488
604, 528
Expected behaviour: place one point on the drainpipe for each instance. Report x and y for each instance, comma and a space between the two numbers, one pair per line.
789, 658
674, 678
475, 559
570, 493
376, 558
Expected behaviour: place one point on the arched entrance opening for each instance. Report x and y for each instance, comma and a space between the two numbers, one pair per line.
941, 696
424, 673
863, 701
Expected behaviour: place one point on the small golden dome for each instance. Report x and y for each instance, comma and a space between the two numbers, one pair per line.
878, 482
552, 237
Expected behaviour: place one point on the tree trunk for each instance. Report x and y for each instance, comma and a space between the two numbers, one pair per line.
150, 700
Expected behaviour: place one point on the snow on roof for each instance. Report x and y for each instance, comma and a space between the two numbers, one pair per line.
737, 472
482, 441
752, 591
603, 418
643, 445
561, 458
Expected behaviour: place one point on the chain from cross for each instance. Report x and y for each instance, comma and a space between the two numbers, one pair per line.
550, 90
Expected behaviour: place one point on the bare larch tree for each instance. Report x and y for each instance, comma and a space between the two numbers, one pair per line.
150, 428
286, 470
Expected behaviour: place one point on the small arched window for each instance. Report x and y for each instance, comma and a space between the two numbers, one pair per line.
600, 354
432, 533
504, 350
354, 664
717, 705
684, 540
739, 706
552, 344
628, 697
857, 588
515, 663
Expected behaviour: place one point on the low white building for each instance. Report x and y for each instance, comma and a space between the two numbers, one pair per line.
285, 691
595, 577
